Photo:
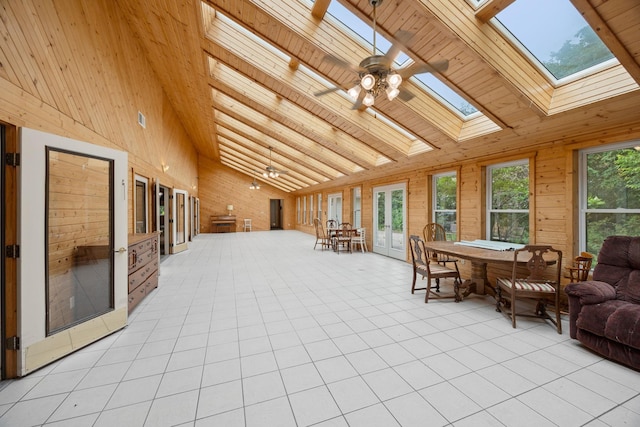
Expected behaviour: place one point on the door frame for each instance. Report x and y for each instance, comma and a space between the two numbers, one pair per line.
36, 349
9, 267
175, 246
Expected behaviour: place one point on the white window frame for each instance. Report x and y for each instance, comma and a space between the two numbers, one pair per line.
434, 202
582, 189
489, 189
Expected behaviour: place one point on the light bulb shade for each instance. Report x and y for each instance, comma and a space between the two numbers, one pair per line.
368, 82
368, 100
394, 80
354, 91
392, 93
229, 207
265, 174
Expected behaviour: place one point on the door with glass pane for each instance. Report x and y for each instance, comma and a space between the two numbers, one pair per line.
73, 239
180, 220
389, 221
335, 207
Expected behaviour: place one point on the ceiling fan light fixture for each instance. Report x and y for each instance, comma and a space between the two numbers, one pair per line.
394, 80
354, 91
368, 82
392, 93
368, 99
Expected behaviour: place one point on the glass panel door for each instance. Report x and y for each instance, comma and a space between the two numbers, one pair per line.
73, 231
79, 204
335, 207
180, 219
389, 237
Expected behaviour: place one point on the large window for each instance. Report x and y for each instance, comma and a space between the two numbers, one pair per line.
609, 194
298, 219
304, 210
445, 202
508, 202
320, 207
311, 212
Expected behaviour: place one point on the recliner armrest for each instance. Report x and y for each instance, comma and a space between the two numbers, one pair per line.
591, 291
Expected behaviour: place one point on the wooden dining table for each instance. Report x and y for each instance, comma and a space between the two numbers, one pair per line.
479, 257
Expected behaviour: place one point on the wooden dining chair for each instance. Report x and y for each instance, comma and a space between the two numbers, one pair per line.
430, 269
435, 232
540, 282
342, 239
321, 235
579, 270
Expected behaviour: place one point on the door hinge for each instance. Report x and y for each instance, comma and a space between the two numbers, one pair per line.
13, 343
12, 159
12, 251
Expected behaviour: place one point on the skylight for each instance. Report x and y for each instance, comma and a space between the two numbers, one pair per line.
444, 92
360, 29
556, 35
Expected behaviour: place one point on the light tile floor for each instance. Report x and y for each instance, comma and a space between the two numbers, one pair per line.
258, 329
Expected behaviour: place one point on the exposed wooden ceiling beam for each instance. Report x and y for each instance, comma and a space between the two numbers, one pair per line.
491, 9
319, 8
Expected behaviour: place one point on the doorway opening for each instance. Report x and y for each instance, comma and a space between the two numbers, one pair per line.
275, 209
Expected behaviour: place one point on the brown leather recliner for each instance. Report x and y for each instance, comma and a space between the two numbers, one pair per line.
604, 313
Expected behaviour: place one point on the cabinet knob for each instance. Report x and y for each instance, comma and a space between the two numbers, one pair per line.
120, 251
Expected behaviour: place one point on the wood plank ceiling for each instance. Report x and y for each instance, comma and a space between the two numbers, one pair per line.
242, 74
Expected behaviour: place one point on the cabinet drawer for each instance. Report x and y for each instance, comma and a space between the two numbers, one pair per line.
151, 283
136, 296
142, 252
139, 276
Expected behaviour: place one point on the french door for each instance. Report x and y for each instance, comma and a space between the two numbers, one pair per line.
335, 207
73, 246
389, 221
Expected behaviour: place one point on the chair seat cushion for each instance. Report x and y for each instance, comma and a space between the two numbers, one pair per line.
616, 320
523, 285
440, 269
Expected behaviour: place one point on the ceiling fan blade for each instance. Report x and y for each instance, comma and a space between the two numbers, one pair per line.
421, 67
342, 64
356, 105
326, 91
400, 40
405, 95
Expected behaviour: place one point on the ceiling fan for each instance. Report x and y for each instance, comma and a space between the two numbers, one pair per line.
375, 74
270, 171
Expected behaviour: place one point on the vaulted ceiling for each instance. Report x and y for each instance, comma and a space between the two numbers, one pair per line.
242, 76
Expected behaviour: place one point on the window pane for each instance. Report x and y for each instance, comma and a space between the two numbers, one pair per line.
566, 45
510, 227
381, 234
448, 221
79, 239
602, 225
610, 196
613, 179
397, 219
510, 187
180, 218
446, 192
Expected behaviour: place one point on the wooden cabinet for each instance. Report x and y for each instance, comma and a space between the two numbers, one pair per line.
143, 266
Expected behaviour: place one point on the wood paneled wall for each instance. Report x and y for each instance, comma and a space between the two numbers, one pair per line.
79, 71
221, 186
